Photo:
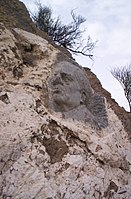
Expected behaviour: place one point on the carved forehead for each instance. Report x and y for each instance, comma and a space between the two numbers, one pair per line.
67, 68
76, 72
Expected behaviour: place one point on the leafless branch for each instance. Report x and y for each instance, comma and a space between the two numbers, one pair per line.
69, 36
123, 75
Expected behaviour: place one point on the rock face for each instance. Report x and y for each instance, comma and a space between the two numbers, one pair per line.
14, 14
46, 150
61, 135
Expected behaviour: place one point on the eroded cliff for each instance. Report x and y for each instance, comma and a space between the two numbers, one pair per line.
44, 155
46, 150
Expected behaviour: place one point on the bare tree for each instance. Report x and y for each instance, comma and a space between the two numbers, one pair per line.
123, 75
69, 36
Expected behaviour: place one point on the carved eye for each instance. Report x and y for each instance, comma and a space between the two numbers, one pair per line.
66, 77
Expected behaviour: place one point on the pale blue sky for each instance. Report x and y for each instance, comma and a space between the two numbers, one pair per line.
109, 22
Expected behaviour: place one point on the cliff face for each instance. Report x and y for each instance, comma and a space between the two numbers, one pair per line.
13, 13
49, 149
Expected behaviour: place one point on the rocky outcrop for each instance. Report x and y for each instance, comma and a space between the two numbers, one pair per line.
61, 134
13, 13
43, 154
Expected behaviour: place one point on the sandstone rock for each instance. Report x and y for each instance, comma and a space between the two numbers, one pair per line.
43, 154
13, 13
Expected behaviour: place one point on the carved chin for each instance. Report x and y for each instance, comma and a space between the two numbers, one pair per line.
61, 103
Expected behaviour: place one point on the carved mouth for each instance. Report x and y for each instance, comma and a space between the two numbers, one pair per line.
57, 90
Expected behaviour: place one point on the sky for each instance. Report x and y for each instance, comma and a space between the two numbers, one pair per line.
109, 23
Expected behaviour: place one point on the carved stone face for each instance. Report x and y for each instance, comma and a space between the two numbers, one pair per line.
65, 88
70, 93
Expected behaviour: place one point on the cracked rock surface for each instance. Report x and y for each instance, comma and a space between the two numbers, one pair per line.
42, 154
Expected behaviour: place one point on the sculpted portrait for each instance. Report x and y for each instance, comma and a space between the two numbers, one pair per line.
71, 94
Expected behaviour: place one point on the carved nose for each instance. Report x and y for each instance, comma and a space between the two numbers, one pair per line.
57, 80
